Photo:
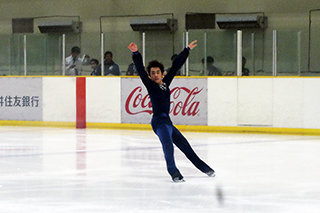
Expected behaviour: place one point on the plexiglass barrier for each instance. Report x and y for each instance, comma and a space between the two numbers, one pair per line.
42, 54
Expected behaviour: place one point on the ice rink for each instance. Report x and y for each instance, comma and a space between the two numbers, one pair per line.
98, 170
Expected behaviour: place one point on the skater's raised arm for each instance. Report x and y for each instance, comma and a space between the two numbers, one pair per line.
137, 59
179, 61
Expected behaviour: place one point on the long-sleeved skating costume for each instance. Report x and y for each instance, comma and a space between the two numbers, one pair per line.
161, 122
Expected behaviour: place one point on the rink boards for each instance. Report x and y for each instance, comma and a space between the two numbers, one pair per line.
221, 102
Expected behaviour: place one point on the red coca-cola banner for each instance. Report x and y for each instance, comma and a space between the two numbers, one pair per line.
188, 104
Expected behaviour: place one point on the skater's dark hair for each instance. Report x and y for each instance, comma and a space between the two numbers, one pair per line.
155, 63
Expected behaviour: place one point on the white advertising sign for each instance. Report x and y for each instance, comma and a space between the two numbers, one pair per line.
188, 104
21, 99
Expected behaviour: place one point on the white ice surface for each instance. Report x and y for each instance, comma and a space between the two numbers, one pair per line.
96, 170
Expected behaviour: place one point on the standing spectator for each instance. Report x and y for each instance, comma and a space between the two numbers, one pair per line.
74, 62
245, 71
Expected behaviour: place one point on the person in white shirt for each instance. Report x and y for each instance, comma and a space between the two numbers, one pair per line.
74, 62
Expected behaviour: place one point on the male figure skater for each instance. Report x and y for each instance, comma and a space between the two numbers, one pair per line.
158, 89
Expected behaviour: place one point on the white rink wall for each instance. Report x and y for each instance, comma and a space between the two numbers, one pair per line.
275, 102
285, 102
102, 95
103, 99
59, 99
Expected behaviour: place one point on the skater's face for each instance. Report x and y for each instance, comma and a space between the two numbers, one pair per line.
156, 75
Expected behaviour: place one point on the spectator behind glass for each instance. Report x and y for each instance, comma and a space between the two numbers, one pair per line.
110, 67
211, 69
245, 71
94, 63
132, 70
173, 57
74, 62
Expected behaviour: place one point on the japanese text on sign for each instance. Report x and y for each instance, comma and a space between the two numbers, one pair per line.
19, 101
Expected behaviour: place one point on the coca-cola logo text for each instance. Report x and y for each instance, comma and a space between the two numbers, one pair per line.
183, 102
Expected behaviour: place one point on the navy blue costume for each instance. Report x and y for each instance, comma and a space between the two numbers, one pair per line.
161, 122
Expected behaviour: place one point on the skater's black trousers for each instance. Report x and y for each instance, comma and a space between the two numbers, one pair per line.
169, 135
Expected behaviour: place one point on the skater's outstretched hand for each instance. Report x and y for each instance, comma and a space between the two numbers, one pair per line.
193, 44
133, 47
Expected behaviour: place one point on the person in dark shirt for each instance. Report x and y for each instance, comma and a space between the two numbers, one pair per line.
158, 89
94, 63
245, 71
173, 57
110, 67
131, 69
211, 69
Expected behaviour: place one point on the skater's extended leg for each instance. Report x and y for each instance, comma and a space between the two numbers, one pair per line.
181, 142
164, 133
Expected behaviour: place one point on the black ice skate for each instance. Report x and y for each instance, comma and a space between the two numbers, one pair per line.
178, 179
211, 173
